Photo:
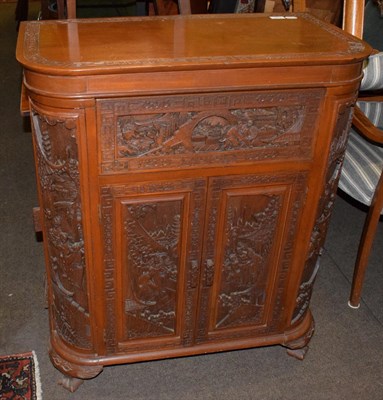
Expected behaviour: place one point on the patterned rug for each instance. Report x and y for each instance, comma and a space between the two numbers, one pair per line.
19, 377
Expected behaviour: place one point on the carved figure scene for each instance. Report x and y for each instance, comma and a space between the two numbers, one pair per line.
251, 223
57, 161
152, 242
207, 131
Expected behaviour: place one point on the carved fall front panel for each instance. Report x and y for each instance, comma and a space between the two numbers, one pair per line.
195, 130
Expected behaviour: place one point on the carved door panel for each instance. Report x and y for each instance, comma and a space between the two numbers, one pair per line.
249, 237
152, 235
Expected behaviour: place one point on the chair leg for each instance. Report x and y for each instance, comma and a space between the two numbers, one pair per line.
61, 14
365, 245
71, 8
184, 7
155, 6
299, 6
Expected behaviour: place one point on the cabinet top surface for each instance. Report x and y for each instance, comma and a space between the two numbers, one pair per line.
121, 45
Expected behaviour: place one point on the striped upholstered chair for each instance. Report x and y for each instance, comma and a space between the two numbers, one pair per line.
362, 176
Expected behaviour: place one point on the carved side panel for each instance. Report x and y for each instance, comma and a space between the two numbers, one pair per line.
152, 248
325, 207
191, 130
253, 220
56, 151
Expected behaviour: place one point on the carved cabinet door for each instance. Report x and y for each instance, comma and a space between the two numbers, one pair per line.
152, 247
249, 237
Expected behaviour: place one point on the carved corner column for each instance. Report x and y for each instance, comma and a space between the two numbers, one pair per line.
58, 174
298, 348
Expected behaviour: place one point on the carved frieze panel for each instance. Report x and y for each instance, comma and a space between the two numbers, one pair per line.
56, 151
172, 131
152, 246
253, 219
325, 207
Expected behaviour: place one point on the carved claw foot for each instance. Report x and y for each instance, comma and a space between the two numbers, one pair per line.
299, 354
73, 374
298, 348
69, 383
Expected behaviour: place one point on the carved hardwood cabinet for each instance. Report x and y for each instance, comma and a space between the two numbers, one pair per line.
186, 170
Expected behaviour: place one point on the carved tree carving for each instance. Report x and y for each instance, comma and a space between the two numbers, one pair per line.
152, 240
250, 228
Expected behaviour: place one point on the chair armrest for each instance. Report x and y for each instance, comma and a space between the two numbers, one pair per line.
365, 127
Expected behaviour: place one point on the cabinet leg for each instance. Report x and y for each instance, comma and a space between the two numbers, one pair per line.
299, 347
299, 354
73, 374
70, 383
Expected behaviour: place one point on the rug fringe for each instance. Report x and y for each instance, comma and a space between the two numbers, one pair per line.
39, 390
